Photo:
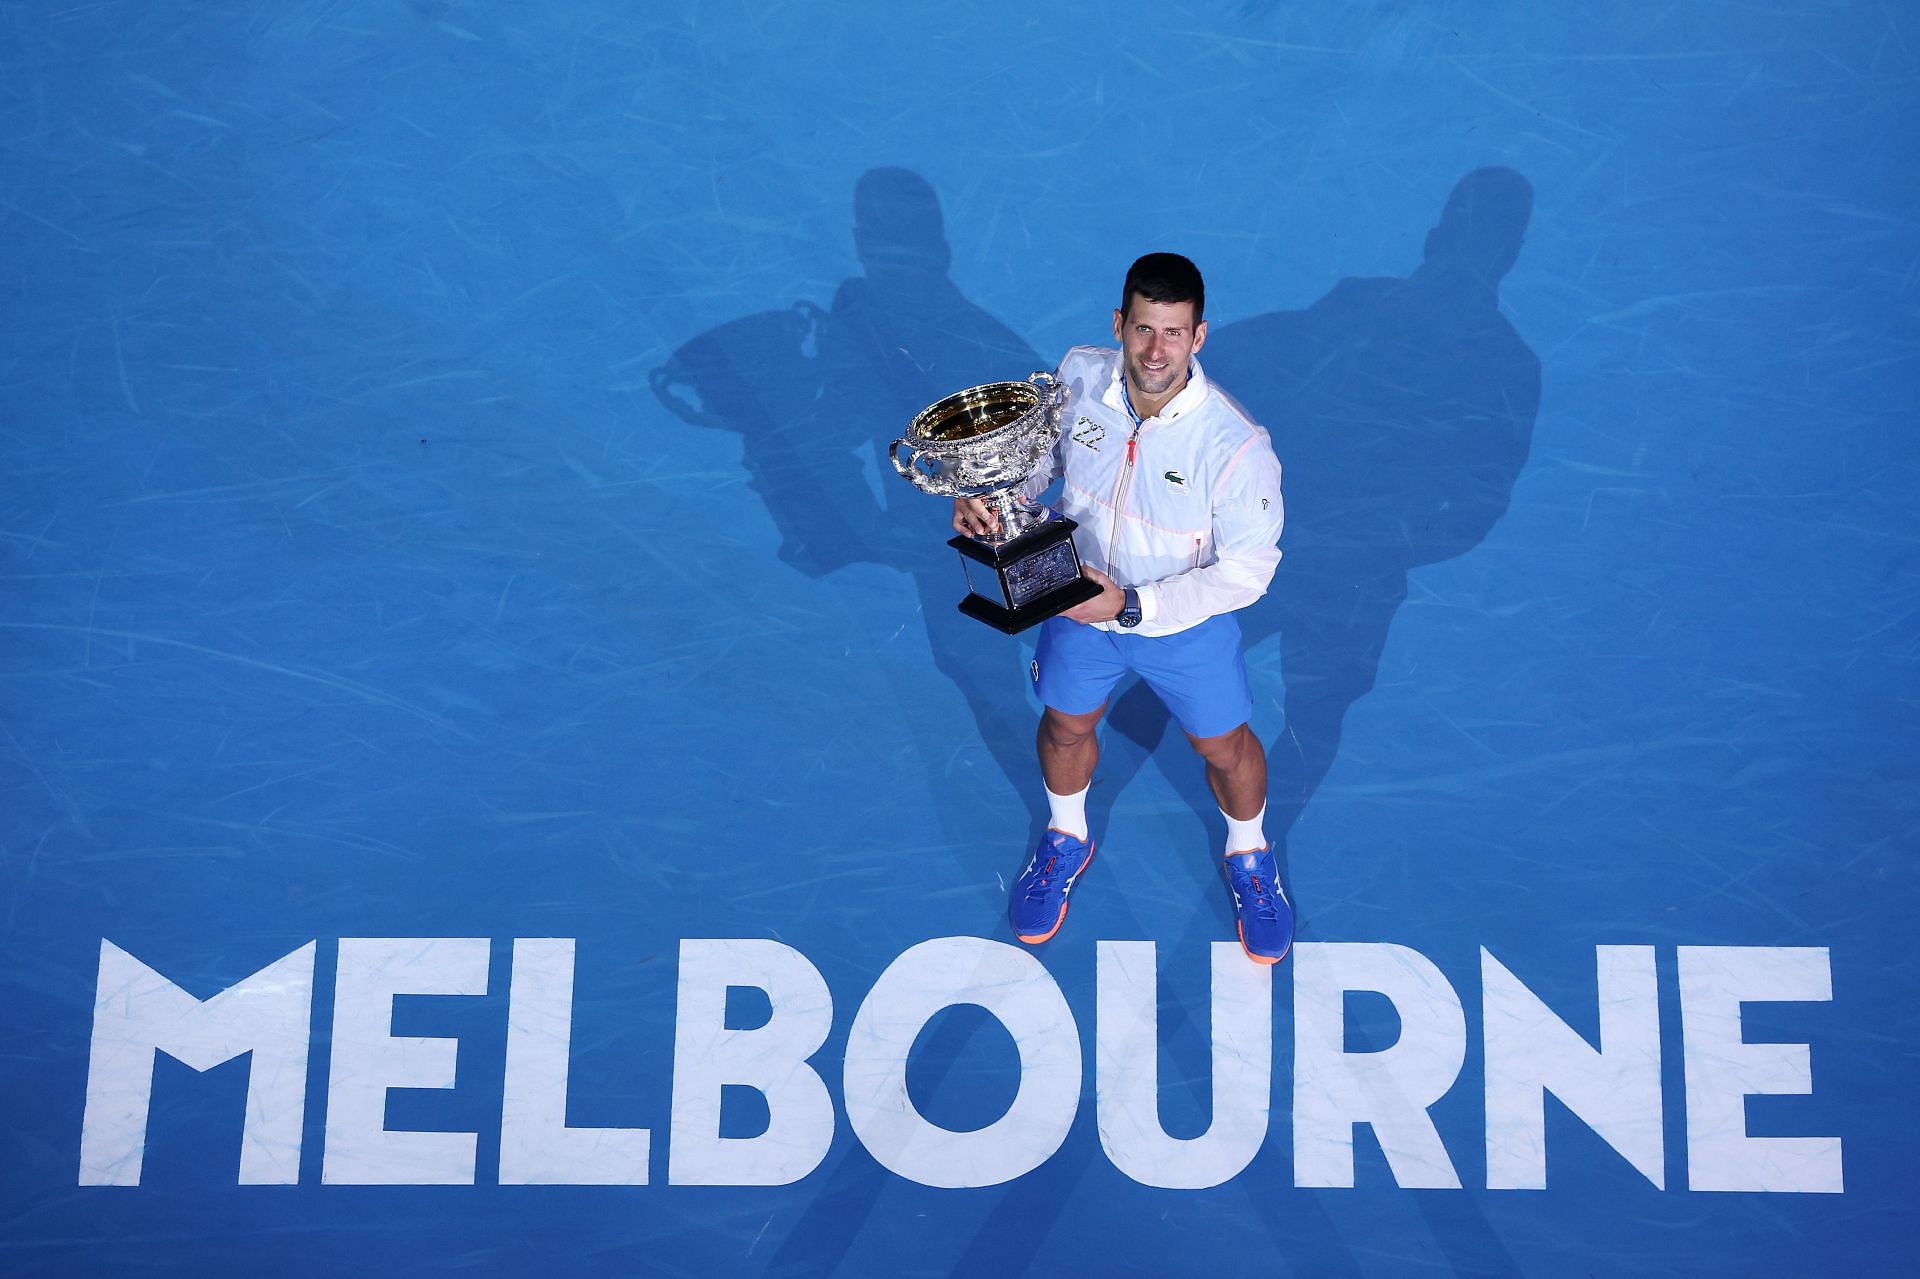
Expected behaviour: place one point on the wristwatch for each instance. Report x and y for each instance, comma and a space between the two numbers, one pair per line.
1129, 609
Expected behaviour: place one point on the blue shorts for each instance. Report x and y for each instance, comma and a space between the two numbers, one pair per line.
1200, 673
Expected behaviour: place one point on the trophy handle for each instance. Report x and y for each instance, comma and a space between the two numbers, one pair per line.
893, 455
925, 481
1052, 393
928, 482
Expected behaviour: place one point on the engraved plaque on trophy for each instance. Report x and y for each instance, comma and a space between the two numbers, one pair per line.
985, 442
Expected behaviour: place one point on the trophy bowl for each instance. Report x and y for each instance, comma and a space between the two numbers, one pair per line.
986, 442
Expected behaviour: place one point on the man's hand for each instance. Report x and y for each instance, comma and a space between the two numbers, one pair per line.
973, 517
1103, 607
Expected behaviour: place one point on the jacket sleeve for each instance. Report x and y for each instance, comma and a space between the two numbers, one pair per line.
1050, 466
1247, 518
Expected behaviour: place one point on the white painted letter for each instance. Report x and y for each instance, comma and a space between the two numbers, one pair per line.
369, 1059
1011, 985
1334, 1089
1614, 1089
536, 1146
137, 1012
1127, 1079
771, 1058
1722, 1070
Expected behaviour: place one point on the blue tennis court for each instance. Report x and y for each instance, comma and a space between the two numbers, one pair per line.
496, 781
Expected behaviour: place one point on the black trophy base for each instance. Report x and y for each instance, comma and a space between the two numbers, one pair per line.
1020, 583
1015, 620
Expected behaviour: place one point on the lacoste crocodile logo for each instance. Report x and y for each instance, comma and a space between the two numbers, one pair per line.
1176, 480
1089, 432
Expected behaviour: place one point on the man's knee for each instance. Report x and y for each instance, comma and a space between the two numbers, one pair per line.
1066, 731
1229, 750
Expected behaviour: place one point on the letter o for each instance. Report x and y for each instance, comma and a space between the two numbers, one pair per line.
1012, 986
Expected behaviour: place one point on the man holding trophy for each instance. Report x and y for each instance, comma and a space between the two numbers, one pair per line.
1175, 493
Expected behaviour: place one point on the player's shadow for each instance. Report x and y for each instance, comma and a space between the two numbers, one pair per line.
1402, 411
817, 395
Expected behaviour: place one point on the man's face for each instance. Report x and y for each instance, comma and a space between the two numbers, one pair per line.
1157, 339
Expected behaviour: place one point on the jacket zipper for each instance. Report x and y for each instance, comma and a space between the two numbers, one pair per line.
1120, 494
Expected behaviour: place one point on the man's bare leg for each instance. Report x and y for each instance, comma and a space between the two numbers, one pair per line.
1069, 749
1237, 772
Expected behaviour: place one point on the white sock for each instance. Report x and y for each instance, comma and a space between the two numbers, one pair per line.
1069, 812
1247, 836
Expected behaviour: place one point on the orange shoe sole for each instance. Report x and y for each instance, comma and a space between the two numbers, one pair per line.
1048, 935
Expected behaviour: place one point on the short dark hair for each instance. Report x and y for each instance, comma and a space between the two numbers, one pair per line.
1165, 277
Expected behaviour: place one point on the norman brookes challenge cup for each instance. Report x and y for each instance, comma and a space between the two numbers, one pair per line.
985, 442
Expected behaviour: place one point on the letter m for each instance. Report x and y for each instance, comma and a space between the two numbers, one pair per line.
137, 1012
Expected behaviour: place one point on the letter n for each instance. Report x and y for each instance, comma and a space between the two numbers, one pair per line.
1614, 1089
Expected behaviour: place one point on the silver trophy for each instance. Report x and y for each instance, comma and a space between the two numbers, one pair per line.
986, 442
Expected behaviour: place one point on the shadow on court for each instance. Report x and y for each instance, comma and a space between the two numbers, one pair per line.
1401, 409
817, 395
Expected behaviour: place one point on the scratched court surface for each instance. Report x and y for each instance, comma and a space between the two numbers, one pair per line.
445, 498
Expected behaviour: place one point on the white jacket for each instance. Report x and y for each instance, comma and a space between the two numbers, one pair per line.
1185, 507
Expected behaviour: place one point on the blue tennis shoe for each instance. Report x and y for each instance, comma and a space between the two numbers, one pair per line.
1039, 903
1266, 916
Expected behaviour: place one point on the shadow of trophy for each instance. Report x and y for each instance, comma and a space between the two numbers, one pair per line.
986, 442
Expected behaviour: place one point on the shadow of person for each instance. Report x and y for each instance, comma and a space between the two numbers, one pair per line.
1402, 411
817, 395
760, 377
